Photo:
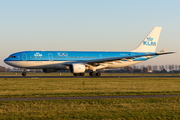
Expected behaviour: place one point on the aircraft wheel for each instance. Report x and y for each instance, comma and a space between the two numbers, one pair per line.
81, 74
92, 73
24, 74
98, 74
76, 74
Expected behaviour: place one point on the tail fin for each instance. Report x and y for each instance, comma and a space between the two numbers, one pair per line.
150, 42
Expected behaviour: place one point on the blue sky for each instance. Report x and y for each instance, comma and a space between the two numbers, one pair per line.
118, 25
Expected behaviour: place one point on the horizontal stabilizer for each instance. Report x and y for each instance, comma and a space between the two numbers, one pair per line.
164, 53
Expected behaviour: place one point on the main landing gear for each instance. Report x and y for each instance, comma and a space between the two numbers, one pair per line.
78, 74
23, 72
94, 73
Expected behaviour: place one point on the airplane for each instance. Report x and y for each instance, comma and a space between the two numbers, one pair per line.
80, 61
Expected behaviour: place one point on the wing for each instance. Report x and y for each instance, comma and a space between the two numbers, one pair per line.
128, 58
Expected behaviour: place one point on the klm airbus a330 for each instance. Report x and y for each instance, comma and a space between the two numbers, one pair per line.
80, 61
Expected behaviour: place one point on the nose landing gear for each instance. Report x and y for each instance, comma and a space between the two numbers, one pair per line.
23, 72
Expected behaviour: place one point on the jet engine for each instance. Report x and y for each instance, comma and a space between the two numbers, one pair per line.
77, 68
49, 70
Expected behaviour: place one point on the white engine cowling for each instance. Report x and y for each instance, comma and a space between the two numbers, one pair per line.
49, 70
77, 68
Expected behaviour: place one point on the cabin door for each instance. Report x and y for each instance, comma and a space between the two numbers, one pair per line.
50, 57
24, 57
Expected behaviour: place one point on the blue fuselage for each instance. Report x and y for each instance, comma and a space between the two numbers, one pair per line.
68, 55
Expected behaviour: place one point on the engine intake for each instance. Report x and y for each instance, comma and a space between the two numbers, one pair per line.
77, 68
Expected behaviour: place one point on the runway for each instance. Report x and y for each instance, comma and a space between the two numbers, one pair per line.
90, 77
81, 98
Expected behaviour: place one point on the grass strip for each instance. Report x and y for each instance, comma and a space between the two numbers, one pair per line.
136, 108
63, 87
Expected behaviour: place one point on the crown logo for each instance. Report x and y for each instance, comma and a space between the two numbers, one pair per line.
37, 54
149, 38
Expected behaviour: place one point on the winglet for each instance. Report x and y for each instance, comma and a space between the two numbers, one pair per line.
163, 50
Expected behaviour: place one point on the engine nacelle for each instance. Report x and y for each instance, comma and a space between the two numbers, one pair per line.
77, 68
49, 70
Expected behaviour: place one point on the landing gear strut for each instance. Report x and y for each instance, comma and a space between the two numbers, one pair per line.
94, 73
23, 72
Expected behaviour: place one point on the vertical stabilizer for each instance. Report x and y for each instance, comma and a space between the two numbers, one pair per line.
150, 42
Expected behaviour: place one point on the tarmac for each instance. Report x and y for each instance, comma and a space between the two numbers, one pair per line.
90, 77
82, 98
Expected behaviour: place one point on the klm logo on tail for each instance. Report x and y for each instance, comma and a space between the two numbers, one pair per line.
149, 38
149, 42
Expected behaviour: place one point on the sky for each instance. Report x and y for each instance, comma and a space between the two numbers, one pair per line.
114, 25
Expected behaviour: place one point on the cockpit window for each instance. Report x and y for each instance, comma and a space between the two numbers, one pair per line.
12, 56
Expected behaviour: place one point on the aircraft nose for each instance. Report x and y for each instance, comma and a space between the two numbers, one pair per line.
6, 60
9, 62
